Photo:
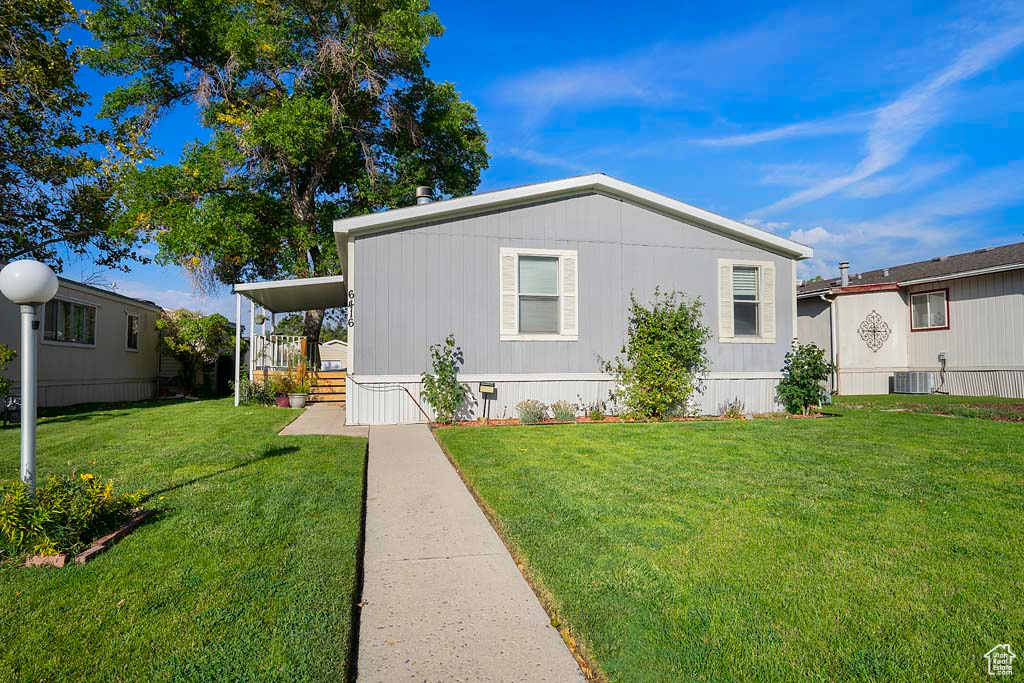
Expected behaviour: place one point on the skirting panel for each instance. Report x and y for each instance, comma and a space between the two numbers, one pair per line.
1005, 383
54, 395
395, 402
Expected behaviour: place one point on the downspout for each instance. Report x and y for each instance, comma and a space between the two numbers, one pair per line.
832, 341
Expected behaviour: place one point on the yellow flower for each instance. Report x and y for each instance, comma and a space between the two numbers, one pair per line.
87, 477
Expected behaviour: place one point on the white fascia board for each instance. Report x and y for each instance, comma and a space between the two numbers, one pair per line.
286, 284
597, 182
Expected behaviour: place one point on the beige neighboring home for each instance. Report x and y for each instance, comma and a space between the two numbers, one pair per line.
952, 324
334, 352
95, 346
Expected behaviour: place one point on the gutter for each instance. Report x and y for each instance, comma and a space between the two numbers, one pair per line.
834, 353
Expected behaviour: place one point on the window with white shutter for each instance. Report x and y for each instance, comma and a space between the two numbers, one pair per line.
539, 295
746, 301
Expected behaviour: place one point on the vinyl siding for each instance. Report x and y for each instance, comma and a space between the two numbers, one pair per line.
986, 324
106, 372
415, 285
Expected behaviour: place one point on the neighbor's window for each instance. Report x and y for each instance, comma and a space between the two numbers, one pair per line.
131, 341
929, 311
538, 295
69, 322
745, 301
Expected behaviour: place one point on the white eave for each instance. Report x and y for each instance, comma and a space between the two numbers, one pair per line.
290, 296
597, 182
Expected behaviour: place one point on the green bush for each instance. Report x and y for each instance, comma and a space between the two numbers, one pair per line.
665, 357
531, 412
804, 373
442, 390
66, 514
563, 411
7, 354
256, 392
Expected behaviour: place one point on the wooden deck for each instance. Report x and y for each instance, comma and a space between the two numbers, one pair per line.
327, 387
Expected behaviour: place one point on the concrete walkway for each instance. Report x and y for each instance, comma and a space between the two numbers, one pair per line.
324, 419
442, 598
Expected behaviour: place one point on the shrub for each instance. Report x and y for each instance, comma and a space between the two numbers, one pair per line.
531, 412
7, 354
733, 409
665, 357
564, 411
66, 514
256, 392
803, 378
442, 389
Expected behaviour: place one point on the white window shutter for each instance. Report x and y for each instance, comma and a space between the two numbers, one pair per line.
509, 300
725, 324
570, 297
768, 301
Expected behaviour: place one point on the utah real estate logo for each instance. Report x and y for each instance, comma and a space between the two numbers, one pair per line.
1000, 660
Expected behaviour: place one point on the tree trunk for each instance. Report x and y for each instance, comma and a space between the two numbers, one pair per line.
311, 325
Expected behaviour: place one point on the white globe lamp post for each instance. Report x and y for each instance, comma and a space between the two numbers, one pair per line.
28, 284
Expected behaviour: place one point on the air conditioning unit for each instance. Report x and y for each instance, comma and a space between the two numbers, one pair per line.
917, 382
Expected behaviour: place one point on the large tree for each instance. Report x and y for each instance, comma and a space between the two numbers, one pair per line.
315, 109
57, 173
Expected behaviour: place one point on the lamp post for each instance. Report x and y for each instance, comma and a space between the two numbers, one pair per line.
28, 284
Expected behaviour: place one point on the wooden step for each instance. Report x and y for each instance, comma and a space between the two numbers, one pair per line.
322, 399
327, 382
330, 374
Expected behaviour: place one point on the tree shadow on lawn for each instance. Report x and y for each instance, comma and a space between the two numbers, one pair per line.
266, 455
96, 411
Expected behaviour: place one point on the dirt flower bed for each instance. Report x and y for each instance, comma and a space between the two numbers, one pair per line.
514, 421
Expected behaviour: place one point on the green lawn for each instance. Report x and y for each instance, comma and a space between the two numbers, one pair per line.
985, 407
248, 575
870, 546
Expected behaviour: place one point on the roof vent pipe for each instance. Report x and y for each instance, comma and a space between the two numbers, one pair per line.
844, 273
424, 195
885, 272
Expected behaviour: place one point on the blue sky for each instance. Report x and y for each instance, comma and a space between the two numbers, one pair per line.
880, 133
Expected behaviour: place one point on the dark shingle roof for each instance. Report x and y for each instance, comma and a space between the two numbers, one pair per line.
942, 266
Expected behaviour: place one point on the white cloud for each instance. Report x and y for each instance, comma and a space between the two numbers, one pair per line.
913, 179
541, 159
177, 298
899, 125
815, 236
848, 123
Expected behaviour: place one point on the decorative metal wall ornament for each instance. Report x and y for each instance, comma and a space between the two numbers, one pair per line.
874, 331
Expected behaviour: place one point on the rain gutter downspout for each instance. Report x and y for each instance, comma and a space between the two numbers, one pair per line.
832, 339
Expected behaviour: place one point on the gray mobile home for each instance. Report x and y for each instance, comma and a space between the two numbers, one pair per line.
952, 323
95, 346
535, 281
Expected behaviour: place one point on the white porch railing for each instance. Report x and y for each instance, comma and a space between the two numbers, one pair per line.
276, 351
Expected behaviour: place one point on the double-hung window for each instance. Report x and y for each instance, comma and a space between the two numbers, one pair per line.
131, 341
929, 310
746, 301
538, 295
69, 322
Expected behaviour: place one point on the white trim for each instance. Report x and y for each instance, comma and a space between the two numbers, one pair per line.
544, 377
761, 302
138, 334
561, 255
284, 284
596, 182
350, 258
41, 312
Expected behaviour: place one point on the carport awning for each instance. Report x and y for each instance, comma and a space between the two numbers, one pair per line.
290, 296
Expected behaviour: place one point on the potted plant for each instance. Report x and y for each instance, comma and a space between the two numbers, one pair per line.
297, 395
283, 385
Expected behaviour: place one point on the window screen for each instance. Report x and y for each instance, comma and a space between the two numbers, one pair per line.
745, 301
928, 310
132, 333
538, 295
